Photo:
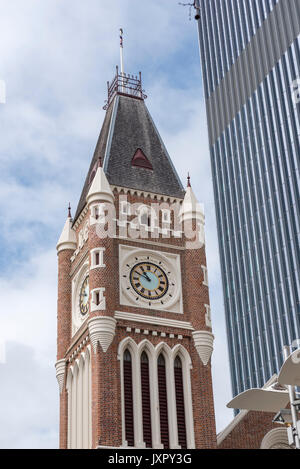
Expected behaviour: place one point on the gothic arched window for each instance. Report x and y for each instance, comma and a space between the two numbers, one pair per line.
179, 391
146, 404
128, 400
163, 401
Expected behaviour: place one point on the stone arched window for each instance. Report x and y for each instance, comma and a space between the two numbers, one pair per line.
79, 402
156, 397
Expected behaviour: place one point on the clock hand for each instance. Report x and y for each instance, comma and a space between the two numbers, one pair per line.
146, 276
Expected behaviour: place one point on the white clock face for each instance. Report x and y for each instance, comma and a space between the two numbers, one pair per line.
148, 280
84, 297
80, 297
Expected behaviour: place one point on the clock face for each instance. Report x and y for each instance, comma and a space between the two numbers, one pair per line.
149, 280
84, 296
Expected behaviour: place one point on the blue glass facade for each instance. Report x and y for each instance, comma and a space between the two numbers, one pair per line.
250, 54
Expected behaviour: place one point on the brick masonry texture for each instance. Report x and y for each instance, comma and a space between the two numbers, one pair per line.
250, 431
106, 386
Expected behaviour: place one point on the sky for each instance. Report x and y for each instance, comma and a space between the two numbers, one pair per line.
55, 59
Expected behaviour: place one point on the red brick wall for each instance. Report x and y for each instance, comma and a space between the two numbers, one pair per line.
106, 389
249, 432
64, 313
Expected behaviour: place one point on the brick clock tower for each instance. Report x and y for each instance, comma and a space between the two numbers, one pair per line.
134, 329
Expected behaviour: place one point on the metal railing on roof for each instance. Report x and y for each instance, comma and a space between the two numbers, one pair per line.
127, 85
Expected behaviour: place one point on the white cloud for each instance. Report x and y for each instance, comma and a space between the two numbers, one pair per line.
55, 59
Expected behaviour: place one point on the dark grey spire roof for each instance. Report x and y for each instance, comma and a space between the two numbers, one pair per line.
128, 127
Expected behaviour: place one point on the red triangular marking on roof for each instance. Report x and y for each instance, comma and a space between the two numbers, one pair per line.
140, 159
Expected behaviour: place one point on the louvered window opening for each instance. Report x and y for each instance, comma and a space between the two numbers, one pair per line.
146, 403
180, 403
163, 401
128, 400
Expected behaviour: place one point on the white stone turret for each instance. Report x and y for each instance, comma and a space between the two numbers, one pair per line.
67, 238
191, 208
100, 188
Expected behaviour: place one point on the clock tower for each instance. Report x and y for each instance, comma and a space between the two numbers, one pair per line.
134, 327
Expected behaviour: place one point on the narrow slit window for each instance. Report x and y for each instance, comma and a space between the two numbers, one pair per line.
128, 398
146, 403
163, 401
180, 410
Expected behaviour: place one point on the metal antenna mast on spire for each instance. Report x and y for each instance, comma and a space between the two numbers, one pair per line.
122, 58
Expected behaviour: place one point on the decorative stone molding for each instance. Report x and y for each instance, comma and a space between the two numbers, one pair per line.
151, 195
81, 217
275, 439
208, 316
203, 341
78, 350
205, 275
155, 321
102, 329
60, 367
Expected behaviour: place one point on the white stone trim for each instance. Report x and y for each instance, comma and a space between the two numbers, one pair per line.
79, 402
101, 305
81, 217
208, 316
276, 438
102, 330
152, 243
170, 263
203, 341
66, 245
170, 354
152, 195
141, 318
77, 318
94, 252
205, 275
60, 367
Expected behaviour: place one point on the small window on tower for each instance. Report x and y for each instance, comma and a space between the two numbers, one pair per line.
166, 216
97, 258
125, 208
146, 219
205, 275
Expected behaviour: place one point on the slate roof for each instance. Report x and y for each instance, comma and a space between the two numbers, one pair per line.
128, 126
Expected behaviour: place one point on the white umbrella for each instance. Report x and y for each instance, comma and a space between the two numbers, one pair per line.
265, 400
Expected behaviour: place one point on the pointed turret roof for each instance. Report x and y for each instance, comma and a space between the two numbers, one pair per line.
67, 239
127, 129
100, 188
190, 207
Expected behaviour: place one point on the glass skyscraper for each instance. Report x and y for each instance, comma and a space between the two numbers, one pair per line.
250, 55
